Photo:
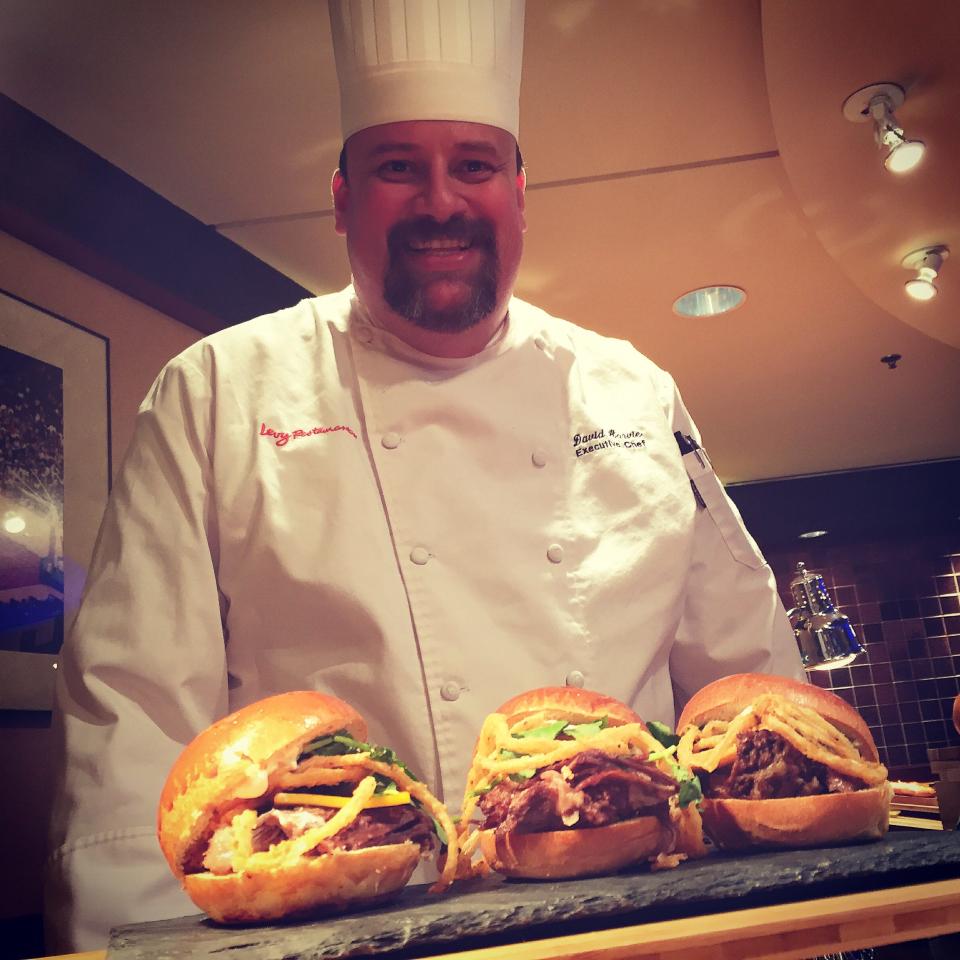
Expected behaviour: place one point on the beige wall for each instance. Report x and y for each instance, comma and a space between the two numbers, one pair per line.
141, 341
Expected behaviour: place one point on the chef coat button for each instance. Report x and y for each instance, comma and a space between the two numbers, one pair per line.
420, 555
450, 690
539, 457
574, 679
555, 553
391, 440
364, 334
540, 343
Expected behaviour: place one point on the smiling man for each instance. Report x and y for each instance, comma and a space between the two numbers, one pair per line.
420, 493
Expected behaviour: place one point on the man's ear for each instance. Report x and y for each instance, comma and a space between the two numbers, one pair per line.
341, 199
521, 196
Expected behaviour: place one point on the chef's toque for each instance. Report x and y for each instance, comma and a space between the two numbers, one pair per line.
428, 60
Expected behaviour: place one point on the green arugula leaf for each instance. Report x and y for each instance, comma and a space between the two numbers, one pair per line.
340, 743
690, 791
583, 731
548, 731
663, 733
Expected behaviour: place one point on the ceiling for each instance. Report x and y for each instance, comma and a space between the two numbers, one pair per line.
669, 143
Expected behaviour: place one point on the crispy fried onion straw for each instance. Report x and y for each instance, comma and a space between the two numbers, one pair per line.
803, 728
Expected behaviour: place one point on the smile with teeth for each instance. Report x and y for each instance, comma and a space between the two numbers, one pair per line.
440, 245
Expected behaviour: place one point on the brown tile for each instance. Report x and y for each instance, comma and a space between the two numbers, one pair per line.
927, 689
913, 733
938, 646
913, 628
896, 755
869, 612
930, 606
871, 715
892, 630
881, 672
905, 690
885, 694
943, 666
946, 585
893, 734
910, 711
935, 732
930, 710
864, 696
952, 625
922, 668
950, 604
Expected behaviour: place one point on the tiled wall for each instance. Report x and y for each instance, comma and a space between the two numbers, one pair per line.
902, 599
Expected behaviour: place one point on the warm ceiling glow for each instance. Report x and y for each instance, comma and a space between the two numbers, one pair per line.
709, 301
14, 523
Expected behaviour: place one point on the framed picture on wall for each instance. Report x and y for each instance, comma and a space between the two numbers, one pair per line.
54, 483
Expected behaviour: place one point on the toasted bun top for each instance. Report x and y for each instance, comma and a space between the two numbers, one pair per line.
236, 759
568, 703
725, 698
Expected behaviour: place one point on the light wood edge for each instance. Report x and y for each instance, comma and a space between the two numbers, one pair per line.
89, 955
791, 931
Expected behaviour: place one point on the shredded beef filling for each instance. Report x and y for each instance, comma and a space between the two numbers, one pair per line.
371, 828
591, 789
767, 767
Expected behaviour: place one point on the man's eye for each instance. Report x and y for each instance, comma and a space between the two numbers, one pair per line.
475, 170
395, 169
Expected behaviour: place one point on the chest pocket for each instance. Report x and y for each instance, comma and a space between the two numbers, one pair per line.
711, 496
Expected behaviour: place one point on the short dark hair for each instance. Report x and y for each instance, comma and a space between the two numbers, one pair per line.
342, 162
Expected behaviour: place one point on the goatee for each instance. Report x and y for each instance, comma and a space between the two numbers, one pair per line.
409, 295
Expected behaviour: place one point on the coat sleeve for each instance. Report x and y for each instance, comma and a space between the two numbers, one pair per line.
142, 672
732, 620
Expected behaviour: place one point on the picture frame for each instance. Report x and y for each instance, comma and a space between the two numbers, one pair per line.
55, 469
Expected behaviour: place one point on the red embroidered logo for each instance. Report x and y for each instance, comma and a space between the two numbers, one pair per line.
282, 438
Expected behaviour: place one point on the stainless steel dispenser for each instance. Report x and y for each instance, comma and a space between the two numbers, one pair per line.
825, 636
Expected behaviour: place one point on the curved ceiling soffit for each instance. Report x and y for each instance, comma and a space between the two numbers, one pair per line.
816, 54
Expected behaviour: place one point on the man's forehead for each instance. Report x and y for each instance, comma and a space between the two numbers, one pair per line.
419, 135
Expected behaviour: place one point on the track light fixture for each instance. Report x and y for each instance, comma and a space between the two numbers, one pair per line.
877, 102
926, 262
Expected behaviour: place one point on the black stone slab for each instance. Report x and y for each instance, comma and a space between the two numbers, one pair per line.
492, 911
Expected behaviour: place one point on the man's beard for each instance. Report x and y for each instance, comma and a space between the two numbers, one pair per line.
408, 295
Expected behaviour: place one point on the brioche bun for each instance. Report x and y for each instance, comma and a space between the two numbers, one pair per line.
572, 704
725, 698
331, 883
813, 821
232, 766
560, 854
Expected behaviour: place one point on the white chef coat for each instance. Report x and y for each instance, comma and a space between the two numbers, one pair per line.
310, 503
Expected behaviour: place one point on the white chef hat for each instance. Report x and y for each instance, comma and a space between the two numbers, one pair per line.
428, 60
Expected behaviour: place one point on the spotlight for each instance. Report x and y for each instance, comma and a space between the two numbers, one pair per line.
926, 262
877, 102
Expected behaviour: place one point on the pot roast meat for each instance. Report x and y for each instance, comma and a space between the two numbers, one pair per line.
767, 767
591, 789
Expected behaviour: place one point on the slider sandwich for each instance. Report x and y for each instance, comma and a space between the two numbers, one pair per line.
782, 764
282, 808
570, 783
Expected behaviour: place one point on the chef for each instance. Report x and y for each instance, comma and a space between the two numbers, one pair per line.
421, 493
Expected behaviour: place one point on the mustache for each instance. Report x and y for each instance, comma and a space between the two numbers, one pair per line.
460, 229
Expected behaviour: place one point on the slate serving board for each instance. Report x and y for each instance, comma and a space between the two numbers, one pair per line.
492, 911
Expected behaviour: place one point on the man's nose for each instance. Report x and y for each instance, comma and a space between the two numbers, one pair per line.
440, 197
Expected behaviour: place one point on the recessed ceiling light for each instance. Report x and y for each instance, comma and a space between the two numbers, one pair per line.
813, 534
709, 301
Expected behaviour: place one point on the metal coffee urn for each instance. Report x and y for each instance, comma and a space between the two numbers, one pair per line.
825, 636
